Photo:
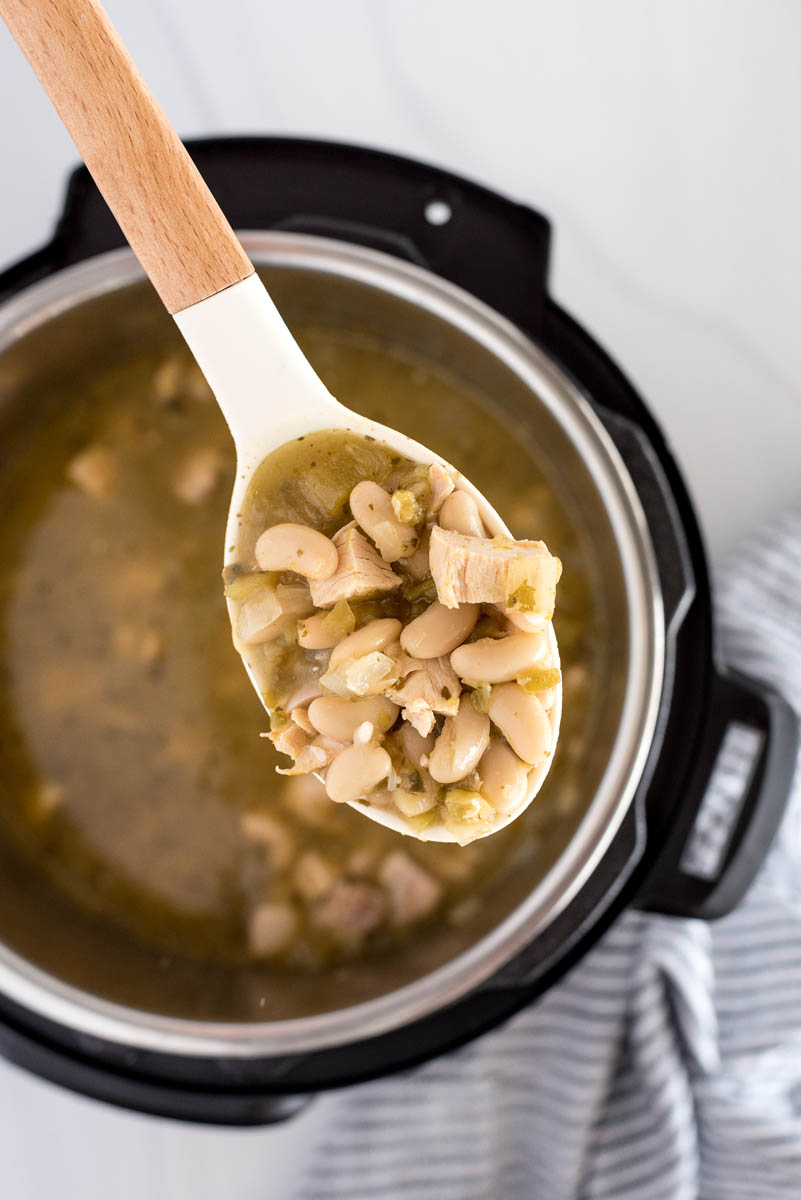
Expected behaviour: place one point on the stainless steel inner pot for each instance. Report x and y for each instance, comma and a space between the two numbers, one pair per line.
99, 309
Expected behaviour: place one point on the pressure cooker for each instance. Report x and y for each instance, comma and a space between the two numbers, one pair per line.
400, 245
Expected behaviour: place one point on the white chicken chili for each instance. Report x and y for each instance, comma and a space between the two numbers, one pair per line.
410, 657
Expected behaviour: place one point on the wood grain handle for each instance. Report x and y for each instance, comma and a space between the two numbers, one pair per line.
150, 183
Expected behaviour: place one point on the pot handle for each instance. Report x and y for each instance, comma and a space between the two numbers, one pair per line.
750, 716
668, 539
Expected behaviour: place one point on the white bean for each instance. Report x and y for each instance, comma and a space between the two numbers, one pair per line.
522, 720
356, 771
372, 509
527, 622
291, 547
415, 746
412, 804
417, 564
377, 635
340, 718
504, 777
314, 635
459, 747
497, 660
460, 513
438, 630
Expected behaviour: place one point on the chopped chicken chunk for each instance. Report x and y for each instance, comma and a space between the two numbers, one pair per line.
431, 686
413, 893
308, 754
198, 475
350, 912
289, 739
472, 570
264, 829
314, 876
93, 471
361, 571
311, 758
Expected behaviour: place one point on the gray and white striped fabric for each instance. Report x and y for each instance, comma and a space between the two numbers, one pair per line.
666, 1065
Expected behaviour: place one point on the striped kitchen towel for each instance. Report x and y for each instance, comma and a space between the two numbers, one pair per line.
666, 1065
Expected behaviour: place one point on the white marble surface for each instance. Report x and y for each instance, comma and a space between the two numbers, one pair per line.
663, 141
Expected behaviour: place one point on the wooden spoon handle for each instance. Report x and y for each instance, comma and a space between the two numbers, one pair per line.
150, 183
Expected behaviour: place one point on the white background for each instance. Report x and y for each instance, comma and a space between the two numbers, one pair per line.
661, 138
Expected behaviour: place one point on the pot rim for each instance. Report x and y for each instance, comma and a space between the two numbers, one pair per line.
70, 1006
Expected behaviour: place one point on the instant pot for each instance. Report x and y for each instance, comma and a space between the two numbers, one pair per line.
413, 248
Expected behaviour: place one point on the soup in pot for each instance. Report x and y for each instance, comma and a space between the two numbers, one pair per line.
134, 773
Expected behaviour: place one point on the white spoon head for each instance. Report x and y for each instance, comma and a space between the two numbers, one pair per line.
270, 395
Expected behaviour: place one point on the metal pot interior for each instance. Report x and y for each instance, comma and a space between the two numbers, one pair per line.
66, 955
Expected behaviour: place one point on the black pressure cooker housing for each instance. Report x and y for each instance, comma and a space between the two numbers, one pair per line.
499, 251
